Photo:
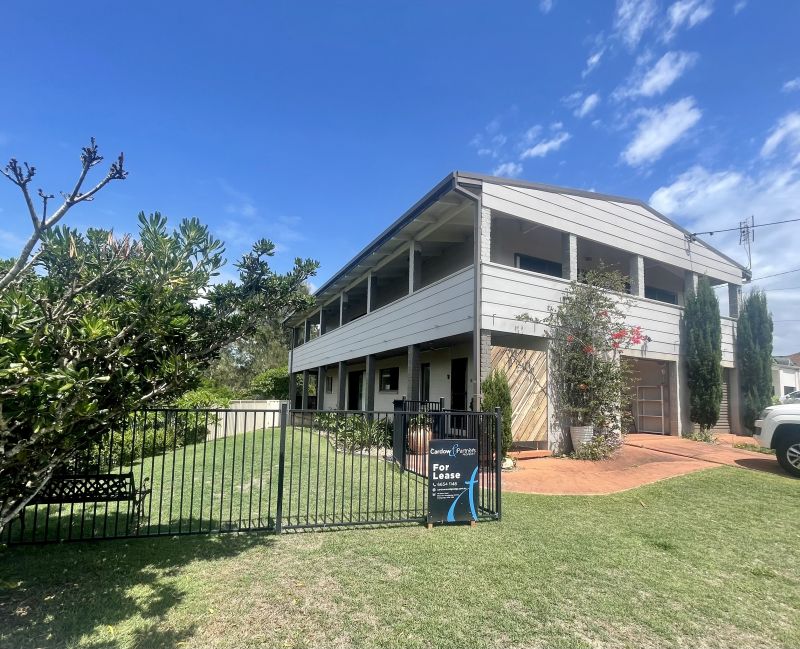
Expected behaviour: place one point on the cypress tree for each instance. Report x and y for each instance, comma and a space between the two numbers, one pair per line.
703, 355
497, 394
754, 356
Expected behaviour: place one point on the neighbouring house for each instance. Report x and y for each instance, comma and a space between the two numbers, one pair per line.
785, 375
429, 307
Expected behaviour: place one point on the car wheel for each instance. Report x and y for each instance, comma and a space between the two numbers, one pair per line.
788, 455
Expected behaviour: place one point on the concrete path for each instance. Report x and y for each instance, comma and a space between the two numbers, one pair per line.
644, 459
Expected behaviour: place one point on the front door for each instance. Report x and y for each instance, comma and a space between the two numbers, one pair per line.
355, 389
458, 384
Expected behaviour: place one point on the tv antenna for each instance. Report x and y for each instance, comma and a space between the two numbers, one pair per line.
747, 235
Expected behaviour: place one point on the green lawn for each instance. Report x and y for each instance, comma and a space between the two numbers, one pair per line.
707, 560
232, 484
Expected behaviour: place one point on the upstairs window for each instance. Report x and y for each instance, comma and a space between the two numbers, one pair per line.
660, 294
538, 265
390, 379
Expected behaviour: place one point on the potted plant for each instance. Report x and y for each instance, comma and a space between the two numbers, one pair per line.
590, 381
420, 431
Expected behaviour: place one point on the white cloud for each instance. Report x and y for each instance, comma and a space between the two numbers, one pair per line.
656, 80
739, 6
508, 170
545, 6
543, 147
791, 85
490, 141
688, 13
587, 105
633, 18
592, 62
785, 132
706, 200
659, 129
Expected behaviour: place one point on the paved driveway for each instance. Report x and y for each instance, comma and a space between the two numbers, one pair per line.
644, 459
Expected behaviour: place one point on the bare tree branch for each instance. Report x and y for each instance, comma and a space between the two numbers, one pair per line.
21, 177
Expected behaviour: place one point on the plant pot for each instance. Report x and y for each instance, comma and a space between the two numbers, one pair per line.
580, 435
418, 439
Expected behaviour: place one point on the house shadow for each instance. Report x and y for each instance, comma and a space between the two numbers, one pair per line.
55, 595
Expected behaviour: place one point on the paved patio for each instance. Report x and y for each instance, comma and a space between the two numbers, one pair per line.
644, 459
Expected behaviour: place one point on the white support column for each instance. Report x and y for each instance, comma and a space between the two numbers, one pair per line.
369, 292
689, 282
321, 374
637, 275
369, 392
342, 404
486, 235
569, 256
304, 402
413, 373
734, 299
341, 309
414, 266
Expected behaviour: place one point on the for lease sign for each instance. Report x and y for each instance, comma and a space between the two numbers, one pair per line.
452, 480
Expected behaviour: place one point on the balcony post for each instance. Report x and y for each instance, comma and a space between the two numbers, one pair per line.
342, 404
689, 282
413, 372
414, 266
369, 292
734, 299
321, 374
637, 275
369, 393
304, 402
569, 256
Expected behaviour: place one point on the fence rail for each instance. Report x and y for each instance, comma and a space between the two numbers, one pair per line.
182, 471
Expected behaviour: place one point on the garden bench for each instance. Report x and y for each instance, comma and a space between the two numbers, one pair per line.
95, 488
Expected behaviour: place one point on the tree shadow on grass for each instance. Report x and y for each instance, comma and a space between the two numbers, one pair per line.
54, 595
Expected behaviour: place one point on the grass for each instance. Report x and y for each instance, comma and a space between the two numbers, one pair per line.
707, 560
231, 484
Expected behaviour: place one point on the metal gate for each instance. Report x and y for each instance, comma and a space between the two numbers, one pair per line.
175, 471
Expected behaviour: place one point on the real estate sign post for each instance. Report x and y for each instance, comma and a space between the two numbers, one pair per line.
452, 480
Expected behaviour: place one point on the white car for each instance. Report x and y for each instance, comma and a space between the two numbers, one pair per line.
792, 397
778, 427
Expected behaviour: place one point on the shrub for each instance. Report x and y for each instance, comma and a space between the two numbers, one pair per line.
353, 432
754, 356
159, 431
272, 384
497, 394
604, 444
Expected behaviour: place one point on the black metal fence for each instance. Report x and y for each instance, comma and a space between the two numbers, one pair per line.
174, 471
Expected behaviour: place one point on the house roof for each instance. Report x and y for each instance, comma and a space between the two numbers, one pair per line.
460, 181
785, 361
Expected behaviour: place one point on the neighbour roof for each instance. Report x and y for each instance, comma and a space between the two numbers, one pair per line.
785, 361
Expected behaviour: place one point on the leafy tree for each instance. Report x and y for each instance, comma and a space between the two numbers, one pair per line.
754, 356
497, 394
703, 356
94, 326
271, 384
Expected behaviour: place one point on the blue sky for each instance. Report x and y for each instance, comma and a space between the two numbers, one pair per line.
318, 124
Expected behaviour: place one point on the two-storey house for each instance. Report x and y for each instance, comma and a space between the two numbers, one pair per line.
429, 307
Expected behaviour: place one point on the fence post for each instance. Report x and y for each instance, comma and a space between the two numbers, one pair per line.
498, 426
281, 470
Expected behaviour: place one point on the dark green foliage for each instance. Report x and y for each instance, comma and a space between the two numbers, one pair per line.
703, 332
497, 394
103, 326
271, 384
355, 432
754, 356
